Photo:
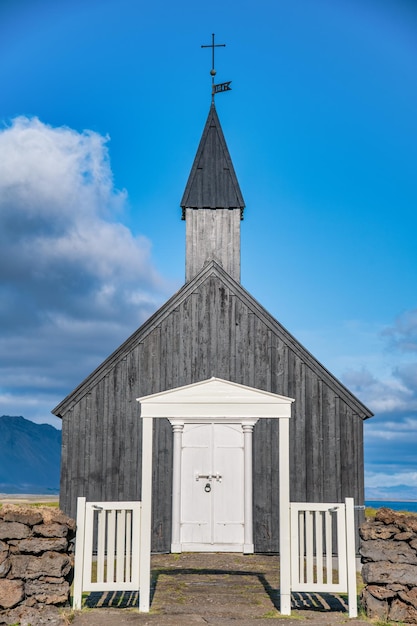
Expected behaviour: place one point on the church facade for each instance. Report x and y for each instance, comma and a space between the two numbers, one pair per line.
212, 328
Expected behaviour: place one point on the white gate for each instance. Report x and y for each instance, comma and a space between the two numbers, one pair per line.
323, 549
107, 552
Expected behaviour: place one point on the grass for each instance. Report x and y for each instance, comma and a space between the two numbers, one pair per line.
68, 616
49, 503
275, 614
370, 513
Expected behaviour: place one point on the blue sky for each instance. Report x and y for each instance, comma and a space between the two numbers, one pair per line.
102, 106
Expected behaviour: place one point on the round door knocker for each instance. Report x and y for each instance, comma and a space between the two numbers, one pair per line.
207, 488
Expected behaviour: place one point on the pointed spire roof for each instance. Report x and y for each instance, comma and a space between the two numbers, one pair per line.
212, 183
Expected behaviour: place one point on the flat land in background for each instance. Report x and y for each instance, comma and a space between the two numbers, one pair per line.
22, 498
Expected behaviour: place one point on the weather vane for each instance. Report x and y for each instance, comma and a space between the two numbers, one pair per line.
222, 86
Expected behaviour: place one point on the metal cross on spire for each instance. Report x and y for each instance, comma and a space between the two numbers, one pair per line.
223, 86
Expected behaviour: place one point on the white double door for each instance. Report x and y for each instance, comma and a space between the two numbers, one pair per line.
212, 487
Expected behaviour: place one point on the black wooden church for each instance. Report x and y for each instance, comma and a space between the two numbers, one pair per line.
212, 327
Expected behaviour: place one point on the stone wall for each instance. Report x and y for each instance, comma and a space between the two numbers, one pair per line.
389, 557
36, 563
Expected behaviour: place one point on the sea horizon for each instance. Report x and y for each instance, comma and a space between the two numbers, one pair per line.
395, 505
390, 500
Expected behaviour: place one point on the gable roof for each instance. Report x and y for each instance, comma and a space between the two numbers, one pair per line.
212, 269
212, 183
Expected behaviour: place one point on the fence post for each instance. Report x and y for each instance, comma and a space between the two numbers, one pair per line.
146, 517
79, 554
284, 517
351, 557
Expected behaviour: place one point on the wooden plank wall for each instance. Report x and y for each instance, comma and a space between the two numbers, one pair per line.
212, 234
211, 333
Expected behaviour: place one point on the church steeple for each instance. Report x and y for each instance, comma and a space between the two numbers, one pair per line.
212, 183
212, 205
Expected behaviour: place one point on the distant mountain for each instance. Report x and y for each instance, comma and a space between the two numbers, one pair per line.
29, 456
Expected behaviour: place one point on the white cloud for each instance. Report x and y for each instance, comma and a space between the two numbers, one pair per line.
393, 385
57, 210
74, 281
403, 429
376, 479
403, 333
386, 381
382, 395
388, 484
32, 405
49, 169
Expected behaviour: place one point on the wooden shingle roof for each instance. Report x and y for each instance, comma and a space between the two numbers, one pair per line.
212, 183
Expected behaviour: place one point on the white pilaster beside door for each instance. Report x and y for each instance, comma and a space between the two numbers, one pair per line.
177, 428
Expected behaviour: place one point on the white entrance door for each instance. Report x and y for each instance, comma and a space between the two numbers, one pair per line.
212, 488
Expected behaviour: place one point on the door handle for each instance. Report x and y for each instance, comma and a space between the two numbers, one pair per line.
206, 476
210, 477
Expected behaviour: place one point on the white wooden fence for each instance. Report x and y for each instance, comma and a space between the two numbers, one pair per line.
323, 555
107, 552
113, 551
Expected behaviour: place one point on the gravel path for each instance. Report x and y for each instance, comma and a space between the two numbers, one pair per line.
216, 590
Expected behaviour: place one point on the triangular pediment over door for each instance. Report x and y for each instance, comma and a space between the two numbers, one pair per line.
215, 399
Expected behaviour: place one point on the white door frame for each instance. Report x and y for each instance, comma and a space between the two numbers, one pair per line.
220, 401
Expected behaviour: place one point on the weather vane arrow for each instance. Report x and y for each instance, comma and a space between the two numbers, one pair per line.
221, 86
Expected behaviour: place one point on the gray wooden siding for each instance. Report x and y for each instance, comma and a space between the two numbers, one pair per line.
211, 332
212, 234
